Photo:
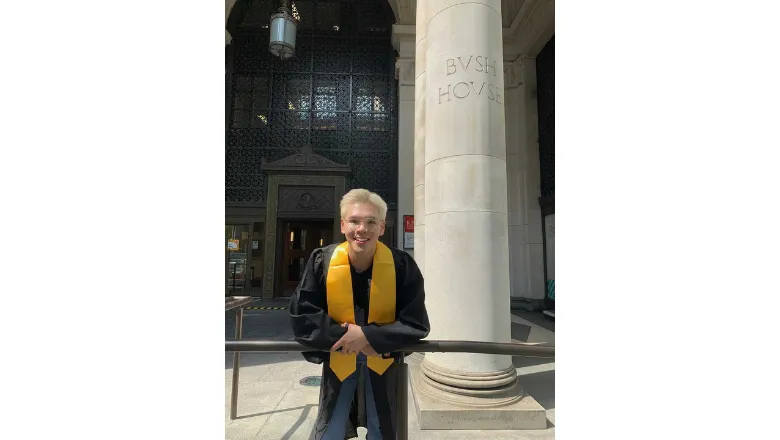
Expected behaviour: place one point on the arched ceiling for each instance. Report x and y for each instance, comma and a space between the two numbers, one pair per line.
520, 18
404, 10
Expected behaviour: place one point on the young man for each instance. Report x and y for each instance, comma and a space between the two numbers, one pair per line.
357, 302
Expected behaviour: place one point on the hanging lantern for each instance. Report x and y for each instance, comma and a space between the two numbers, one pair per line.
283, 29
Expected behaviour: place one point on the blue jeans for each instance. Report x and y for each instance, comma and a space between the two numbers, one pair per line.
338, 423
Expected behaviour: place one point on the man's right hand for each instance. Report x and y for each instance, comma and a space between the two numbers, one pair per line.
353, 340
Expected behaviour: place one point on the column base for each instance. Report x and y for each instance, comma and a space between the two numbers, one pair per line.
442, 409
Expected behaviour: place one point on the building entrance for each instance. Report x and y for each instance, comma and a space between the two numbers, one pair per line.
298, 240
236, 252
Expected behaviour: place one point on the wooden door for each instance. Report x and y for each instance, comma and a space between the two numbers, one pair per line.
299, 240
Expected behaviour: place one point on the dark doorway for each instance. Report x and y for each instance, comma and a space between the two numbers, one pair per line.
297, 241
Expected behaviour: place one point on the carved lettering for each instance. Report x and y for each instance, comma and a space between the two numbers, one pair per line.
447, 93
475, 90
480, 64
450, 63
488, 66
465, 89
455, 90
466, 67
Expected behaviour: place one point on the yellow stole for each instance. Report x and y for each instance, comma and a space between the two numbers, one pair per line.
341, 305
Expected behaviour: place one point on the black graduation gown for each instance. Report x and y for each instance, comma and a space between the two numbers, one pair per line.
314, 328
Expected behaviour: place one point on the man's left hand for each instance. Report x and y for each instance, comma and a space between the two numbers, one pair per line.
368, 350
353, 341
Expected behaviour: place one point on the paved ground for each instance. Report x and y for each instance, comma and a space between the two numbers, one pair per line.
273, 405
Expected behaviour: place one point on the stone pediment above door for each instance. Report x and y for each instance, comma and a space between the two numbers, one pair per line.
307, 160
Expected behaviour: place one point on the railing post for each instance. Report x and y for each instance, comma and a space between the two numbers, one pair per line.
402, 379
236, 363
402, 399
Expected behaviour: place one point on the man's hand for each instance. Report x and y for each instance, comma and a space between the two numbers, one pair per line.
368, 350
353, 341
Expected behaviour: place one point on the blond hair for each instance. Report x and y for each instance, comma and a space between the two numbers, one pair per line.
363, 196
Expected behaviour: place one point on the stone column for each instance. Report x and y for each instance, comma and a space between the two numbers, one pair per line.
466, 226
465, 183
405, 75
525, 221
419, 134
532, 220
228, 7
518, 270
403, 42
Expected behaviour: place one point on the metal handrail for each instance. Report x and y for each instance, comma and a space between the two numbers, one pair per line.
233, 302
236, 303
402, 423
514, 348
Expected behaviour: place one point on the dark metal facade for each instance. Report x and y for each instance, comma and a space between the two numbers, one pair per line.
545, 81
339, 95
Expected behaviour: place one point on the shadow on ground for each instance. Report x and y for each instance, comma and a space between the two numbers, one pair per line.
276, 411
541, 386
537, 379
537, 318
258, 359
536, 375
268, 325
304, 415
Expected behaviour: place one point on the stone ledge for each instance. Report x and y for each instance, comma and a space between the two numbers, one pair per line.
433, 413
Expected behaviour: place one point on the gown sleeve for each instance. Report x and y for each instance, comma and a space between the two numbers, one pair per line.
311, 324
411, 323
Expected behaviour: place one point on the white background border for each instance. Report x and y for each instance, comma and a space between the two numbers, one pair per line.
112, 194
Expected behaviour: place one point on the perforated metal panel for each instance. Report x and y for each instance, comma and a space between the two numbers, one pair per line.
338, 95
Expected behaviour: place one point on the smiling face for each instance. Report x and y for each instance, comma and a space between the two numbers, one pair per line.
362, 227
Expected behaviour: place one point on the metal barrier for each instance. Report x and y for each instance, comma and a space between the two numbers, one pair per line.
402, 423
237, 303
238, 278
513, 349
